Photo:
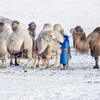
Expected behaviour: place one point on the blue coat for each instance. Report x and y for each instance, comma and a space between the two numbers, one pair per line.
64, 54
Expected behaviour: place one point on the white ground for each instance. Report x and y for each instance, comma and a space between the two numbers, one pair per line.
80, 81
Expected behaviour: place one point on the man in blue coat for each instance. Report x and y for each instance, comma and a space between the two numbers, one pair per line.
64, 54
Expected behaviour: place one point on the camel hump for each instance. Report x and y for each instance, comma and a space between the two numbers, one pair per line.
97, 30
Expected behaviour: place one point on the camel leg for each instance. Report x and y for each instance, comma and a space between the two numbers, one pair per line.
75, 52
34, 64
59, 67
38, 64
29, 61
5, 62
96, 63
48, 62
69, 57
29, 54
48, 56
11, 61
68, 64
35, 60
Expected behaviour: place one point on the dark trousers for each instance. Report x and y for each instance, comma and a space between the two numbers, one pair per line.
64, 64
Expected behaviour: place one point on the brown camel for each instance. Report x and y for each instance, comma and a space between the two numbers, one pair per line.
82, 43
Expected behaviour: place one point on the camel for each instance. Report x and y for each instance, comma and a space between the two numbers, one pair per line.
46, 42
39, 51
14, 26
82, 43
13, 43
10, 22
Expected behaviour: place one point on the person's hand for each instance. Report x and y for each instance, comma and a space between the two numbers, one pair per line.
56, 41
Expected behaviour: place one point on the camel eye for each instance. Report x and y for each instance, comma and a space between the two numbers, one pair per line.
50, 35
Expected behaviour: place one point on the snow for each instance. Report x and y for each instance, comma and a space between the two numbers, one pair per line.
80, 81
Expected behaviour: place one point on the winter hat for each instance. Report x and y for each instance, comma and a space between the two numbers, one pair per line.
66, 36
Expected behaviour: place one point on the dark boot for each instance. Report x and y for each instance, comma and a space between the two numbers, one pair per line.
64, 67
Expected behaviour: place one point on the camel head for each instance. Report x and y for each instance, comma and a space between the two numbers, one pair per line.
80, 42
1, 27
47, 27
78, 33
45, 41
32, 28
15, 25
57, 27
5, 30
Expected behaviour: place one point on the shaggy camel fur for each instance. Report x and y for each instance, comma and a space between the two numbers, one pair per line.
7, 31
14, 42
83, 43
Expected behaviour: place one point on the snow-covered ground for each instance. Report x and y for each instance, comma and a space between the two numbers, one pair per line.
80, 81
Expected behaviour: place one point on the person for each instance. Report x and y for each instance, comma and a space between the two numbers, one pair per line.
64, 54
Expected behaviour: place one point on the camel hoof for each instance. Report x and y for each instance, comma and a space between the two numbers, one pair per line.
37, 66
95, 67
25, 68
59, 67
16, 64
4, 67
48, 67
11, 64
32, 67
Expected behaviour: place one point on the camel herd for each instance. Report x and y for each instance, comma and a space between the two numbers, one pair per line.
14, 37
